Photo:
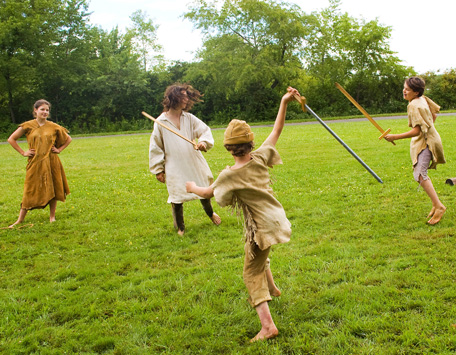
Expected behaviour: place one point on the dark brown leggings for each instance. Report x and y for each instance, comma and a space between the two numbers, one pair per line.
178, 212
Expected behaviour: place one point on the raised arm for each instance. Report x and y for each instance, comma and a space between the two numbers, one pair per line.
280, 119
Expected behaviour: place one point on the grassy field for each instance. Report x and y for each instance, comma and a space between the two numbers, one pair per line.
363, 273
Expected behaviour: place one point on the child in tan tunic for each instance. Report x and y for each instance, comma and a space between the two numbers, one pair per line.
45, 180
426, 148
246, 186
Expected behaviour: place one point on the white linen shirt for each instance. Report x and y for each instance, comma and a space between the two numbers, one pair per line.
177, 158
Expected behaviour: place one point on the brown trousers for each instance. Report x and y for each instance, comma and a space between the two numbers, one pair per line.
255, 274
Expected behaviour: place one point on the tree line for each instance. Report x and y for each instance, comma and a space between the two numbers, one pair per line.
100, 80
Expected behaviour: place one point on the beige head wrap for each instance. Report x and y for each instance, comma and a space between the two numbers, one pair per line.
238, 132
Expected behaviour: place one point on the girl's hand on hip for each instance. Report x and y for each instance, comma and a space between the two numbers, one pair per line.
29, 153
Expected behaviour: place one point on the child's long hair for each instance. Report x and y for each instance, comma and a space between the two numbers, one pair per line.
173, 96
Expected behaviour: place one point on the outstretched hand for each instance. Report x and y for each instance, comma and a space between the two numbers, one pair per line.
390, 137
189, 186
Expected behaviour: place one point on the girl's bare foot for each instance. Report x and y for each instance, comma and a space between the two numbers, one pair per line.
180, 232
15, 224
431, 213
52, 219
265, 333
216, 219
438, 214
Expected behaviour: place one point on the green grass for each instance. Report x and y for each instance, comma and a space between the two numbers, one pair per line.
363, 273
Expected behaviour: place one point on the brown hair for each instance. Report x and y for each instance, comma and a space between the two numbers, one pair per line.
416, 84
241, 149
173, 96
40, 103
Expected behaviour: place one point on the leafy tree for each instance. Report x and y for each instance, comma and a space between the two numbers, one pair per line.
93, 78
66, 66
442, 88
28, 29
143, 35
356, 54
251, 47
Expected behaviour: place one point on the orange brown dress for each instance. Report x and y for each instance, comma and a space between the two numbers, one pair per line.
45, 179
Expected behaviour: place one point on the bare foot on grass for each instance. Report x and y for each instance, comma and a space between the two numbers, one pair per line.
275, 291
15, 224
437, 216
180, 232
216, 219
52, 219
265, 334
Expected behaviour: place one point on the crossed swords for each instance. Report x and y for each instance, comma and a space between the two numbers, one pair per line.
305, 108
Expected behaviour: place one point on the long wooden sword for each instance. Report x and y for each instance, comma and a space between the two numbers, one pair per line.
170, 129
364, 112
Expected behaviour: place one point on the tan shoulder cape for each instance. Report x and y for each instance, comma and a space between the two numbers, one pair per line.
420, 111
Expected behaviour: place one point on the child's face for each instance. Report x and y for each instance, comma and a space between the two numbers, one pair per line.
184, 99
408, 93
42, 112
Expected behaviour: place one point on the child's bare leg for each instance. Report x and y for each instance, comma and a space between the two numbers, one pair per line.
438, 209
268, 328
20, 219
52, 209
273, 290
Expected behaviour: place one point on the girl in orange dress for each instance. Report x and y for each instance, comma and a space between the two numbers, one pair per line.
45, 180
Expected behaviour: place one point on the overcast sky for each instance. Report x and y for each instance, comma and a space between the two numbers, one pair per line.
423, 32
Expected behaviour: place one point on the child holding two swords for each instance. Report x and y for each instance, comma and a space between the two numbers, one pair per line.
175, 161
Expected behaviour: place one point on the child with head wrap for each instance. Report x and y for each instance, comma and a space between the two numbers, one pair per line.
246, 186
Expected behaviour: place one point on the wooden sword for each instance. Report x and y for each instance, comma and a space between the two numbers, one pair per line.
364, 112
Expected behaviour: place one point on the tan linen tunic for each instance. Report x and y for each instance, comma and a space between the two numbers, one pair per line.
249, 188
45, 178
177, 158
420, 112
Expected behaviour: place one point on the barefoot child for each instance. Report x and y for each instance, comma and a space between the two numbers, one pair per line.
173, 160
426, 148
45, 180
245, 185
